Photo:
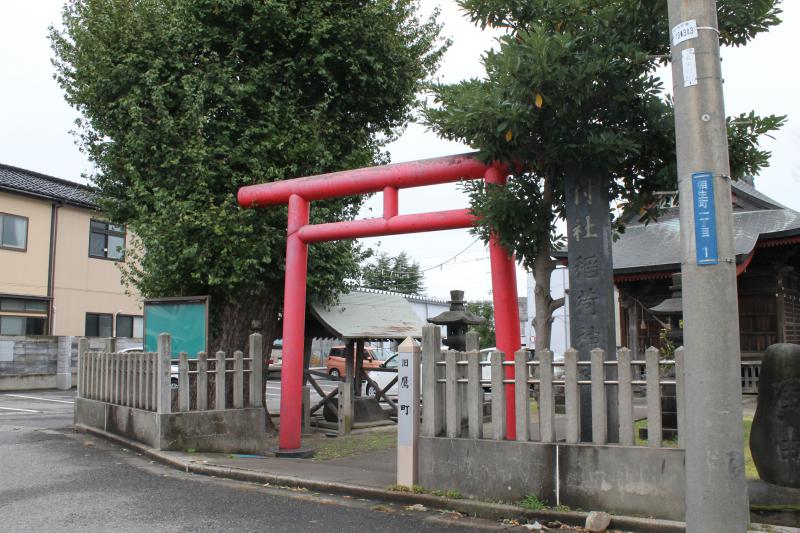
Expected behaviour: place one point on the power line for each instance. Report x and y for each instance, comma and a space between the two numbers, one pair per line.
452, 258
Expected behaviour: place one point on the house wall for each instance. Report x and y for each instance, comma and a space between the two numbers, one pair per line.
25, 273
81, 284
85, 284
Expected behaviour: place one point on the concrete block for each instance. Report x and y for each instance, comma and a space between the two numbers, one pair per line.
229, 431
135, 424
471, 467
623, 479
90, 413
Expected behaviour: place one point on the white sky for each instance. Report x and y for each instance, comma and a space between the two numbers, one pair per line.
36, 122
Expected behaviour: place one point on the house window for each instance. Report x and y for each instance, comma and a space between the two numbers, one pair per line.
98, 325
106, 241
22, 325
13, 232
16, 319
130, 326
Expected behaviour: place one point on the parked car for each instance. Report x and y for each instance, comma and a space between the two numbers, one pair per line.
382, 379
373, 358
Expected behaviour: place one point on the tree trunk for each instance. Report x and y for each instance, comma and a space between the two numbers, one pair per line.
543, 267
254, 313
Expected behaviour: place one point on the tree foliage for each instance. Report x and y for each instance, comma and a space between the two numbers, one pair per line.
486, 334
185, 101
573, 85
396, 274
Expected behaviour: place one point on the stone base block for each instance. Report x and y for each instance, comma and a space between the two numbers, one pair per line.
224, 431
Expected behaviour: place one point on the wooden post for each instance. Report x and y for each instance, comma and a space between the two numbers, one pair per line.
571, 398
680, 398
163, 374
202, 381
625, 395
154, 381
522, 395
238, 379
498, 397
83, 367
472, 341
256, 369
91, 383
653, 398
306, 410
110, 344
129, 368
359, 367
140, 380
474, 395
183, 382
408, 412
431, 392
451, 386
345, 408
599, 426
220, 382
145, 397
547, 409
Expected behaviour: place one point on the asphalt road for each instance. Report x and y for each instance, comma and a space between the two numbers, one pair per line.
53, 479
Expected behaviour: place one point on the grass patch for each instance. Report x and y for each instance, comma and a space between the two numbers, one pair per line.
750, 471
747, 424
452, 494
419, 489
326, 449
672, 443
532, 502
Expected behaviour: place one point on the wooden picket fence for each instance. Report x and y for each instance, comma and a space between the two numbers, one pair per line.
144, 380
453, 393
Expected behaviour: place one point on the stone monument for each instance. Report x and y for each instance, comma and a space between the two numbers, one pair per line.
591, 283
775, 435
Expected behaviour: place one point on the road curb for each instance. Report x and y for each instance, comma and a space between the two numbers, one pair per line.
493, 511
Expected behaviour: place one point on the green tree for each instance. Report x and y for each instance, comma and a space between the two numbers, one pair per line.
396, 274
573, 86
486, 335
185, 101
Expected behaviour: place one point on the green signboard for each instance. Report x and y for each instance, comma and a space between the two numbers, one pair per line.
185, 319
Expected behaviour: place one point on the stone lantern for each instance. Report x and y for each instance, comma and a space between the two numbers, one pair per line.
672, 310
457, 320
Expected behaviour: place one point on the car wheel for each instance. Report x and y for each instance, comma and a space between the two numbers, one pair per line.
370, 391
173, 384
334, 372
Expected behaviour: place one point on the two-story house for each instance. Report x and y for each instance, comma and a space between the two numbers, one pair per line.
59, 260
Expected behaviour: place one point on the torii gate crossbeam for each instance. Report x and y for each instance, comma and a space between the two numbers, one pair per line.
298, 193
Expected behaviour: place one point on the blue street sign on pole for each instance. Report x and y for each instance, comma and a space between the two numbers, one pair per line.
705, 218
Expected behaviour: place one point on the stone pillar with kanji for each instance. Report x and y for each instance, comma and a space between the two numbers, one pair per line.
591, 283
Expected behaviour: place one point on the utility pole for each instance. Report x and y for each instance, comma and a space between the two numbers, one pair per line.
716, 492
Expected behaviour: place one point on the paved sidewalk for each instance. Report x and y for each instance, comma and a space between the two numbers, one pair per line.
377, 469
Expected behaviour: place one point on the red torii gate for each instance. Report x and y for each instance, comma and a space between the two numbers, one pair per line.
298, 193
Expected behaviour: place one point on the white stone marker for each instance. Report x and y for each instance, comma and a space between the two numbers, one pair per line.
408, 412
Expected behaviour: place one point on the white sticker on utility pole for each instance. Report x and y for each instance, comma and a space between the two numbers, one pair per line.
689, 67
684, 31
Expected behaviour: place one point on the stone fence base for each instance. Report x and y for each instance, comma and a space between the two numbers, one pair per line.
222, 431
621, 479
